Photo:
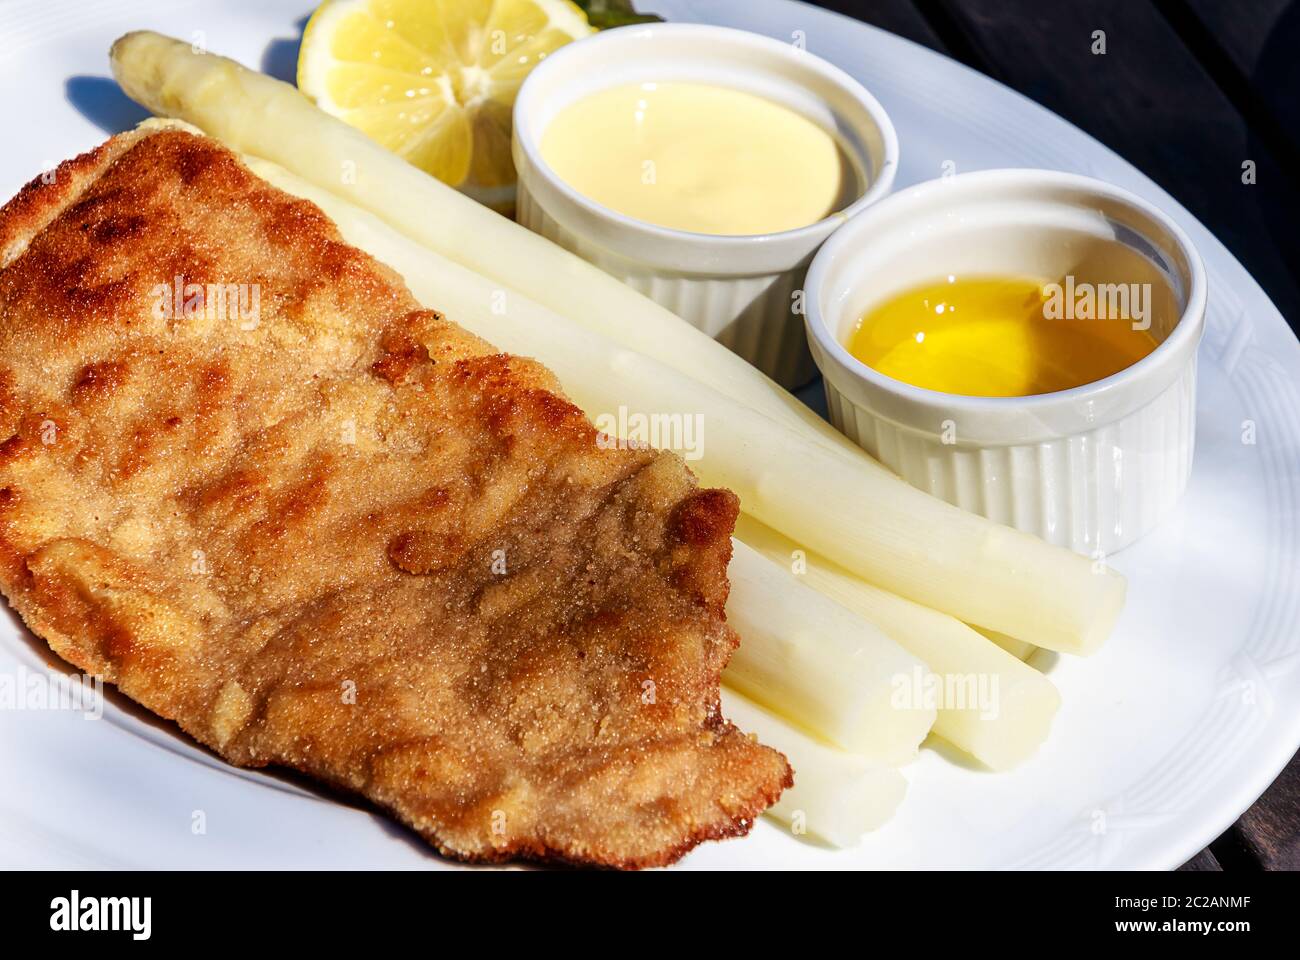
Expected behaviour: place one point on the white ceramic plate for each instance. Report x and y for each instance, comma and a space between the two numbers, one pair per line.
1165, 737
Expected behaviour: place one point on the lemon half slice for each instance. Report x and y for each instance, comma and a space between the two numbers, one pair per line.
434, 80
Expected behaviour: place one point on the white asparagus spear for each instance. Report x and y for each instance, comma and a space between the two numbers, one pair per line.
871, 523
897, 536
837, 796
257, 114
820, 665
991, 705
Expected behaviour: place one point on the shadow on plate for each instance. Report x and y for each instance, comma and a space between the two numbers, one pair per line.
280, 59
101, 101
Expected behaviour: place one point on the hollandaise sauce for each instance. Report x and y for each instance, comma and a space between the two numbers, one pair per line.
998, 337
699, 157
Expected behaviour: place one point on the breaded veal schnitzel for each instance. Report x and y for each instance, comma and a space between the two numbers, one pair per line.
247, 479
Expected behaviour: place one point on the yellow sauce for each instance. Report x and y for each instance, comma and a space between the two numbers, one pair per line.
992, 337
698, 157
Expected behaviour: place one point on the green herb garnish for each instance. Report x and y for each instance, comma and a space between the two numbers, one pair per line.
603, 14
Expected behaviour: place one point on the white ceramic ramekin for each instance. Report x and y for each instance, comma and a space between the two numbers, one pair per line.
1092, 468
740, 290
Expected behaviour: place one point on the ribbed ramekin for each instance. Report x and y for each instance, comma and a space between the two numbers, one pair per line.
1092, 468
741, 290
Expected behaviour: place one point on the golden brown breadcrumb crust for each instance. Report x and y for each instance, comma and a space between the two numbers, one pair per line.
247, 479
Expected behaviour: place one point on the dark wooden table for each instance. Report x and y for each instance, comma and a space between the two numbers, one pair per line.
1189, 90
